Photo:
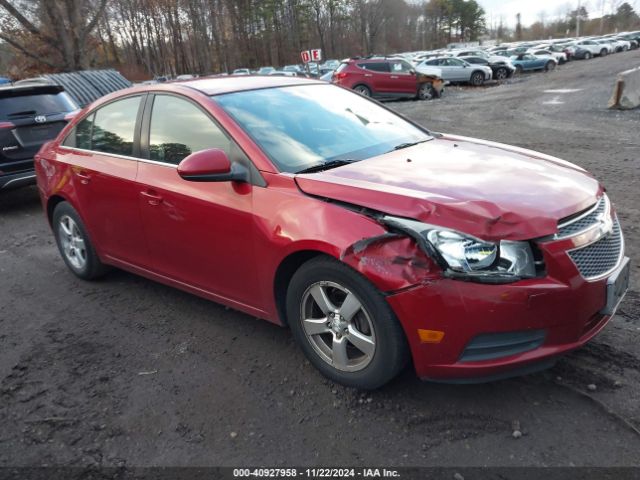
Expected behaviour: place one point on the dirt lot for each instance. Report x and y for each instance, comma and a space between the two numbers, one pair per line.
129, 372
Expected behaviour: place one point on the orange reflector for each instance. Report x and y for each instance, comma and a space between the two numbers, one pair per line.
430, 336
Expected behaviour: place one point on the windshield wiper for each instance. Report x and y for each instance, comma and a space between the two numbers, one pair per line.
409, 144
22, 114
327, 165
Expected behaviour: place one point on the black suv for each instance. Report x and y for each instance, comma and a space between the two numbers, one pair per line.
30, 115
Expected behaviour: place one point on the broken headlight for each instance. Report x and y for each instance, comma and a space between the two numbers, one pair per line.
467, 256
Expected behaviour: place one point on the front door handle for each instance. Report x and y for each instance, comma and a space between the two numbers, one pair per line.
84, 177
152, 197
394, 76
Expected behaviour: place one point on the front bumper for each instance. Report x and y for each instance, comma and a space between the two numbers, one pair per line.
567, 314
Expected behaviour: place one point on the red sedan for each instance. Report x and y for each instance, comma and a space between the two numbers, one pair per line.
373, 239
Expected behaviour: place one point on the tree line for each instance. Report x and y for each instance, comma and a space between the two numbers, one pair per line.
170, 37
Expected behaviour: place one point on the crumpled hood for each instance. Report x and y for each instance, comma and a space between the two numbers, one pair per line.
486, 189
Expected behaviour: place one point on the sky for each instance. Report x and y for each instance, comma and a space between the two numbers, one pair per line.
530, 9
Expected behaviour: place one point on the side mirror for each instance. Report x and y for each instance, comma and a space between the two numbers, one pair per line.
412, 72
211, 165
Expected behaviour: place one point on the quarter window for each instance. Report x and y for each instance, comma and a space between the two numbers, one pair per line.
114, 126
179, 128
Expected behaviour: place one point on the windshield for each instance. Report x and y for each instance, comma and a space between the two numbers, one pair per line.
305, 126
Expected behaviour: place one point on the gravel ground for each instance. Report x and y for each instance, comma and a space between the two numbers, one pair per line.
129, 372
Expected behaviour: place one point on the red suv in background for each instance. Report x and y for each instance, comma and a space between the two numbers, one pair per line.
388, 78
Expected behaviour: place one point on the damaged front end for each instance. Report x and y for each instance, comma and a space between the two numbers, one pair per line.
465, 257
412, 252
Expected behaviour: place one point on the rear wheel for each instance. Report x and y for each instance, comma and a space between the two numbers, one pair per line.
502, 73
477, 79
74, 243
344, 325
426, 92
550, 66
362, 90
587, 55
603, 52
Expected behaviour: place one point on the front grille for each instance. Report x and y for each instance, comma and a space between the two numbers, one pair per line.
582, 221
600, 257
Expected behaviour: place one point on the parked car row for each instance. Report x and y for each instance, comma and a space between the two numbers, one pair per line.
423, 74
312, 69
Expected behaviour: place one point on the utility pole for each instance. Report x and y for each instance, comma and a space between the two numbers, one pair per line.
578, 20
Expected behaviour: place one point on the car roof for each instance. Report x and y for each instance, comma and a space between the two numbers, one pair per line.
230, 84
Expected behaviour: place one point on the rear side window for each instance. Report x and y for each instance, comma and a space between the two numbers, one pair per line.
114, 127
179, 128
18, 106
375, 66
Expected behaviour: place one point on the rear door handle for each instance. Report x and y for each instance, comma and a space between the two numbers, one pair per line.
152, 197
394, 76
368, 75
84, 177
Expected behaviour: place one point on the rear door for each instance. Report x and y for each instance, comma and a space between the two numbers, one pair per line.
29, 117
376, 75
102, 151
198, 233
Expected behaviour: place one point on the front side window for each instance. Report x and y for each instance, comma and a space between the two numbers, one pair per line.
114, 126
308, 125
179, 128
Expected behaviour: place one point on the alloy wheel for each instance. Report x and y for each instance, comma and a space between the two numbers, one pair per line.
363, 91
337, 326
72, 241
426, 92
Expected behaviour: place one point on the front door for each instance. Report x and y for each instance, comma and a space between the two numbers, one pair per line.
198, 233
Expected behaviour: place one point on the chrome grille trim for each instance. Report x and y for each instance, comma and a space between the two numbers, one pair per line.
585, 221
600, 258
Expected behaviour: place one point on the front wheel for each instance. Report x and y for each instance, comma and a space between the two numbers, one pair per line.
344, 325
426, 92
603, 52
74, 244
502, 74
550, 66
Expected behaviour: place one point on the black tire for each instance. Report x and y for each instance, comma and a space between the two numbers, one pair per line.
519, 70
502, 74
587, 56
477, 79
550, 66
603, 52
426, 92
87, 264
391, 352
362, 90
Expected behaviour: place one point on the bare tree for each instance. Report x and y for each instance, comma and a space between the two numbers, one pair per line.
64, 26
